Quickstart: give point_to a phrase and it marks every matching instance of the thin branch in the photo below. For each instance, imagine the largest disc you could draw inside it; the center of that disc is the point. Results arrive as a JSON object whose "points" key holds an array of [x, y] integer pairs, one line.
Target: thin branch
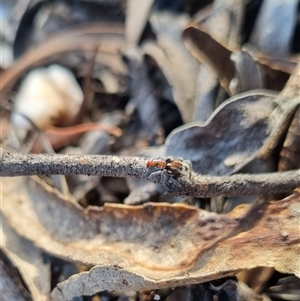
{"points": [[14, 164]]}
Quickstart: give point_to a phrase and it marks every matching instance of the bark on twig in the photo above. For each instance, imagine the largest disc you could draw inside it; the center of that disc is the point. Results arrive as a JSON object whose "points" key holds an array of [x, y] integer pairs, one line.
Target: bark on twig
{"points": [[13, 164]]}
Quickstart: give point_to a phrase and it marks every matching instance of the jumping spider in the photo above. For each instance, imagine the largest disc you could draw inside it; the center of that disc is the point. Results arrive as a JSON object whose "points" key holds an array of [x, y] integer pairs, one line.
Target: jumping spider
{"points": [[168, 171]]}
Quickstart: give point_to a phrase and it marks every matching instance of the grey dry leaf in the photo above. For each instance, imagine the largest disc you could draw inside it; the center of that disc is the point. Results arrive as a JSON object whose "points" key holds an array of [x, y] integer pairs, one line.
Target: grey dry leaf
{"points": [[224, 24], [142, 96], [207, 89], [247, 76], [11, 288], [136, 19], [171, 55], [233, 135], [152, 246], [275, 26]]}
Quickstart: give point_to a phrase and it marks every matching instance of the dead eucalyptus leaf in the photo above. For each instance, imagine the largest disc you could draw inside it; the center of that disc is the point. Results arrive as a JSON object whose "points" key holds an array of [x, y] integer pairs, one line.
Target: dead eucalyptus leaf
{"points": [[223, 22], [175, 61], [232, 137], [217, 56], [248, 76], [29, 261], [210, 52], [156, 245], [208, 95], [142, 96], [100, 278], [136, 19]]}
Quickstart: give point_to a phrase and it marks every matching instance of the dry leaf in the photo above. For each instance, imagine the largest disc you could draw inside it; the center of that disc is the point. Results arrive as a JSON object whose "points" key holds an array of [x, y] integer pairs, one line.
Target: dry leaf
{"points": [[211, 53], [224, 23], [11, 286], [274, 27], [248, 76], [136, 19], [233, 135], [287, 288], [171, 55], [156, 245], [28, 260]]}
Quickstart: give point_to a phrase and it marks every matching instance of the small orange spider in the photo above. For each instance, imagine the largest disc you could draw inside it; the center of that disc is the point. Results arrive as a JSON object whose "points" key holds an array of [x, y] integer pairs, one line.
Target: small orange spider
{"points": [[157, 164], [175, 167]]}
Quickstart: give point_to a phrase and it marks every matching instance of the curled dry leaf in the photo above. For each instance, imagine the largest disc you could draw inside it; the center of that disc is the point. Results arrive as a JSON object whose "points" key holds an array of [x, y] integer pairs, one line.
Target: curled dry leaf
{"points": [[152, 246], [232, 136]]}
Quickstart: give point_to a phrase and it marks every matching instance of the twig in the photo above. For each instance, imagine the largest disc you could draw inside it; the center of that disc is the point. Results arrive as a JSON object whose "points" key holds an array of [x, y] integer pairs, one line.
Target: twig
{"points": [[14, 164]]}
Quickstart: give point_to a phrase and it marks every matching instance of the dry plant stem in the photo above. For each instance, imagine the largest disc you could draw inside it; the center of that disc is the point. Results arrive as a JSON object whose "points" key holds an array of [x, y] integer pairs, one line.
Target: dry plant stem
{"points": [[14, 164]]}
